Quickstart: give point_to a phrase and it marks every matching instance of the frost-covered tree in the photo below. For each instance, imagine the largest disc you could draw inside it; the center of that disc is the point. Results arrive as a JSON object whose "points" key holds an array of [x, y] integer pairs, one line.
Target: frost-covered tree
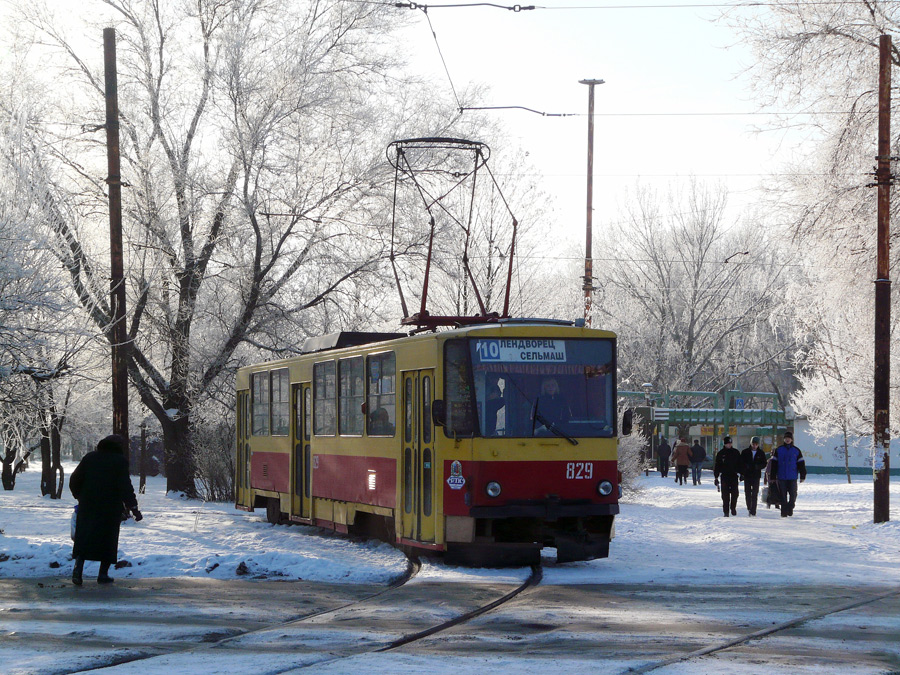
{"points": [[692, 294], [252, 139], [817, 65], [40, 340]]}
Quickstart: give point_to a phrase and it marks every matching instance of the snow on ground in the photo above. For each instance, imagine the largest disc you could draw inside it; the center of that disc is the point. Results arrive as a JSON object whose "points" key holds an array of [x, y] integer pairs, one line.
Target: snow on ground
{"points": [[185, 538], [666, 533]]}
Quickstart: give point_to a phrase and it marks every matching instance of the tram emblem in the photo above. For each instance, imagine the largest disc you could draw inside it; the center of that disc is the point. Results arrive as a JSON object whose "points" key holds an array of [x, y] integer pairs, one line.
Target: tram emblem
{"points": [[456, 481]]}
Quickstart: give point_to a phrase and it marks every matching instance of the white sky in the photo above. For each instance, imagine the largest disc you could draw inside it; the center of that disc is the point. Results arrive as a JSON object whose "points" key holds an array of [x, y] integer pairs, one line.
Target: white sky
{"points": [[659, 61]]}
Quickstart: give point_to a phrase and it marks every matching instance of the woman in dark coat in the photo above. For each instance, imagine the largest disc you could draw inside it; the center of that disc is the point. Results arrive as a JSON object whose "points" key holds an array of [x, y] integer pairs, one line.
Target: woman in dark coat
{"points": [[102, 486]]}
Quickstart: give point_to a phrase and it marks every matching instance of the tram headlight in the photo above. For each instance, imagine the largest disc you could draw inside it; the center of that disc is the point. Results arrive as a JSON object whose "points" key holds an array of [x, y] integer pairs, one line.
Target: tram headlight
{"points": [[605, 488], [492, 489]]}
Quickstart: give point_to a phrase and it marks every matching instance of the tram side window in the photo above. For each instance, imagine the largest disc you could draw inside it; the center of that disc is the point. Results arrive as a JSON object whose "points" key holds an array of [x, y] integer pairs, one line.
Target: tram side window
{"points": [[281, 392], [352, 396], [260, 404], [324, 399], [458, 389], [382, 401]]}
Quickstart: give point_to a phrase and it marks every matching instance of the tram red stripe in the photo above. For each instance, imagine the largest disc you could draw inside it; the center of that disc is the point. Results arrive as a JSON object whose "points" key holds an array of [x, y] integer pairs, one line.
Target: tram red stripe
{"points": [[525, 481], [364, 480]]}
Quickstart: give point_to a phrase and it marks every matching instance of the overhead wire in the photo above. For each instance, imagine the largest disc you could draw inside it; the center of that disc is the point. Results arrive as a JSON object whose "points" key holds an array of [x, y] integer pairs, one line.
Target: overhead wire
{"points": [[519, 8], [675, 5]]}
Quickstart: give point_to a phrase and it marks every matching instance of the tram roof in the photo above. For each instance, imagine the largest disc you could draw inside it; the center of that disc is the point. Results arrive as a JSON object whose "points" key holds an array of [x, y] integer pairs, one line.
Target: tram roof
{"points": [[343, 339], [349, 339]]}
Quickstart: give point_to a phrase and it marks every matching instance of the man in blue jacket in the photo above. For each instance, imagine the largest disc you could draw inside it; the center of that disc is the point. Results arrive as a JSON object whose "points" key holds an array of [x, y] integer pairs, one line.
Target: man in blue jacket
{"points": [[787, 465]]}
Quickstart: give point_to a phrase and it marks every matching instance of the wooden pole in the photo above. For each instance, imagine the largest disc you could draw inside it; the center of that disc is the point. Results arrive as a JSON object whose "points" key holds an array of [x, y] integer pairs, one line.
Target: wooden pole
{"points": [[117, 334], [882, 438]]}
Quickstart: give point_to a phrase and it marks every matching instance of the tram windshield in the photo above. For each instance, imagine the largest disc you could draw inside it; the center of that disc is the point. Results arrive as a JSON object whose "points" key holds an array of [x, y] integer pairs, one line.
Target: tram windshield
{"points": [[523, 388]]}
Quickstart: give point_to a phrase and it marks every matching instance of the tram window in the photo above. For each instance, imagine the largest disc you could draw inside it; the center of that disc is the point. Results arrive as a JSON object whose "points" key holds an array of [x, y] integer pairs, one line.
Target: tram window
{"points": [[426, 482], [407, 479], [306, 470], [545, 386], [426, 409], [324, 399], [352, 396], [381, 405], [247, 417], [458, 389], [307, 412], [260, 403], [494, 407], [280, 398], [408, 404]]}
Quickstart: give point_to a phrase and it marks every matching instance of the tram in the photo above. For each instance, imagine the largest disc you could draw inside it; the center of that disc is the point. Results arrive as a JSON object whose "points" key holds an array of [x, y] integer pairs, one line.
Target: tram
{"points": [[485, 442]]}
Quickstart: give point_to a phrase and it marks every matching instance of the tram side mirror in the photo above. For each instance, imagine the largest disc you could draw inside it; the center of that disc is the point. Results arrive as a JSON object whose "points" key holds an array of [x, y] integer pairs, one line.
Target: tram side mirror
{"points": [[439, 412], [627, 421]]}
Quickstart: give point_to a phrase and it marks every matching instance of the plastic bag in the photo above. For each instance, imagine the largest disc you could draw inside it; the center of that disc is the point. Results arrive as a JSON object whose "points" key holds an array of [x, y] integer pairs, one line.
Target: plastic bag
{"points": [[74, 518]]}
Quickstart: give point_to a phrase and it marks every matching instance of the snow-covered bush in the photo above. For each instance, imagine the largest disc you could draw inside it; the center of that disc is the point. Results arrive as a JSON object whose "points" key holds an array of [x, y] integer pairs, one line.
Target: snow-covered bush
{"points": [[630, 460], [214, 460]]}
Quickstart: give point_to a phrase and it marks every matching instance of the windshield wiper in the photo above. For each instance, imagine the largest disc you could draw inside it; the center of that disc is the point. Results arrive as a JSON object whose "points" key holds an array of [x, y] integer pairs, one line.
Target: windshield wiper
{"points": [[537, 417]]}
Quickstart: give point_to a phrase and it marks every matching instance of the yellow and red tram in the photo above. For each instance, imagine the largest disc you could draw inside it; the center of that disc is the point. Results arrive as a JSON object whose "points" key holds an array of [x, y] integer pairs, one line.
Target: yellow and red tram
{"points": [[486, 442]]}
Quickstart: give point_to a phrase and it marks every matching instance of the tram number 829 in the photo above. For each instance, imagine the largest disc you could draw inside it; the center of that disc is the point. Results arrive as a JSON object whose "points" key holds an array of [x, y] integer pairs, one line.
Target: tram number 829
{"points": [[579, 470]]}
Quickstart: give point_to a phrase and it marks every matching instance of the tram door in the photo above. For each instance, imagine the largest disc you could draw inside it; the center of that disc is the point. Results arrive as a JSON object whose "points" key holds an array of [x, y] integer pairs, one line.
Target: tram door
{"points": [[242, 462], [301, 404], [418, 456]]}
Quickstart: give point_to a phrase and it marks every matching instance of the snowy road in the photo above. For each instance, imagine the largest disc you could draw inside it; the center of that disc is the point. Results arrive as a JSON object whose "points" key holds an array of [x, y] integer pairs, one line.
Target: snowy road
{"points": [[156, 626]]}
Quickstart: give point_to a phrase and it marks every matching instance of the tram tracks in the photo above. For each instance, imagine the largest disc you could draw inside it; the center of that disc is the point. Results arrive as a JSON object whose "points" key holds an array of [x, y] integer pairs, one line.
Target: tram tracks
{"points": [[300, 635], [763, 633]]}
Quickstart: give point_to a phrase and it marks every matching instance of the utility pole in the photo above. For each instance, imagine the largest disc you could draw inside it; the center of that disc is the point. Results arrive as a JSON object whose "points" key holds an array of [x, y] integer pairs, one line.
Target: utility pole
{"points": [[883, 178], [117, 334], [588, 256]]}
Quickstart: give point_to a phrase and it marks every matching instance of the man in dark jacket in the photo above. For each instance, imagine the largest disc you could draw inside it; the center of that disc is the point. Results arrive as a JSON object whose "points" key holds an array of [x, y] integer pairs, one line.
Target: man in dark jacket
{"points": [[753, 460], [663, 452], [787, 465], [728, 468], [102, 486], [698, 456]]}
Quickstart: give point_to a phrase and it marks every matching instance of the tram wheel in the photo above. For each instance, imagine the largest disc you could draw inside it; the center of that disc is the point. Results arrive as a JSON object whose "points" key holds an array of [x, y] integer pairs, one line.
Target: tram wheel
{"points": [[273, 511]]}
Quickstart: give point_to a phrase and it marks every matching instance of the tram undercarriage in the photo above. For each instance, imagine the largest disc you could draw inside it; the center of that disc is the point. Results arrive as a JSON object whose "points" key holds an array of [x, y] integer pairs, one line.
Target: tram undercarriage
{"points": [[500, 542]]}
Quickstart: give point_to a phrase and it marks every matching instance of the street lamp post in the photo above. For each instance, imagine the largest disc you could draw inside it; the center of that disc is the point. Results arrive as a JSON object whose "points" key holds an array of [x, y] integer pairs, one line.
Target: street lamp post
{"points": [[647, 387], [588, 256]]}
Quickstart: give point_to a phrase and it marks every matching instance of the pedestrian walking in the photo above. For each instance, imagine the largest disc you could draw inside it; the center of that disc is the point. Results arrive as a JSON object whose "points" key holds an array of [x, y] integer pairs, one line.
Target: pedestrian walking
{"points": [[728, 469], [103, 488], [681, 458], [787, 465], [772, 496], [663, 452], [753, 460], [698, 456]]}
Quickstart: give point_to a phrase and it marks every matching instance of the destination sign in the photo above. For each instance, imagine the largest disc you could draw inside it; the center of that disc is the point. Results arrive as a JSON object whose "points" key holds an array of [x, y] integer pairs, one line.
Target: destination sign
{"points": [[521, 351]]}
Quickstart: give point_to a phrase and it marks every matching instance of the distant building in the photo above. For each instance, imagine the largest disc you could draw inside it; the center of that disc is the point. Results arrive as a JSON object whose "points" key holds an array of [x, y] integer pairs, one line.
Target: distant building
{"points": [[826, 455]]}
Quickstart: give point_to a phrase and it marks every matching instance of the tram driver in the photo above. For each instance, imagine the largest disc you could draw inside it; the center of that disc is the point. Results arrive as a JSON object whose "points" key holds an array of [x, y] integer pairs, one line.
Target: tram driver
{"points": [[552, 405]]}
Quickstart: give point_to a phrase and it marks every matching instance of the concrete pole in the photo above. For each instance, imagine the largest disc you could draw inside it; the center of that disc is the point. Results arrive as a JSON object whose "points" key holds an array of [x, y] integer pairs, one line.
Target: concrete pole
{"points": [[588, 285]]}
